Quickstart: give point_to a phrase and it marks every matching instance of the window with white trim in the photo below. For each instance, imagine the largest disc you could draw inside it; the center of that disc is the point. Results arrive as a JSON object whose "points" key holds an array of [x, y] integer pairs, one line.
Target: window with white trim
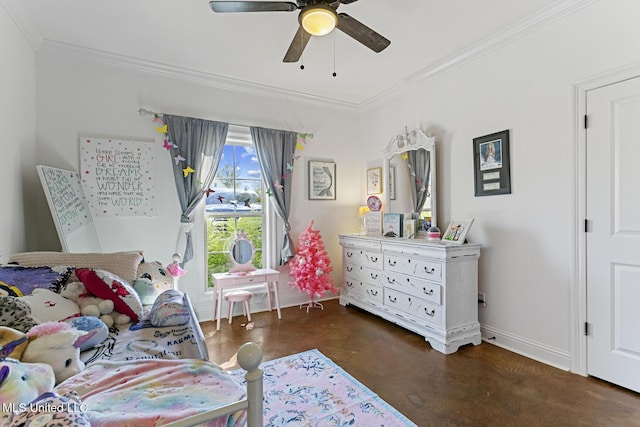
{"points": [[235, 202]]}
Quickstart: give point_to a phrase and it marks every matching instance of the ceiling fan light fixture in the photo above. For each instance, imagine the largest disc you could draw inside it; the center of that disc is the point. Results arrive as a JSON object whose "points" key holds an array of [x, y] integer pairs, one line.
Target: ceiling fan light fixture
{"points": [[318, 20]]}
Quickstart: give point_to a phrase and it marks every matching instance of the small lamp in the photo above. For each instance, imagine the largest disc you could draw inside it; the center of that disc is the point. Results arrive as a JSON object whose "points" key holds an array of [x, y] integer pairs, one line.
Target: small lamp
{"points": [[318, 20]]}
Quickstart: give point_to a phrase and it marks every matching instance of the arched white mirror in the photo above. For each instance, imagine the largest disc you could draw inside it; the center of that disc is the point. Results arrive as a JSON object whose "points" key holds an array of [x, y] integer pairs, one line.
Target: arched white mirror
{"points": [[410, 167], [241, 253]]}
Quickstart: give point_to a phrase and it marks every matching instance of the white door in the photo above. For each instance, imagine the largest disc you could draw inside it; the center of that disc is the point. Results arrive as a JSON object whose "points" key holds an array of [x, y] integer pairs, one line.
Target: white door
{"points": [[613, 237]]}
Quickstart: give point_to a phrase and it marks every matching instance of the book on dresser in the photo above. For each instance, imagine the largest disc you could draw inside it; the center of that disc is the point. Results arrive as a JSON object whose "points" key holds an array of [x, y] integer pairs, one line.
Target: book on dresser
{"points": [[427, 287]]}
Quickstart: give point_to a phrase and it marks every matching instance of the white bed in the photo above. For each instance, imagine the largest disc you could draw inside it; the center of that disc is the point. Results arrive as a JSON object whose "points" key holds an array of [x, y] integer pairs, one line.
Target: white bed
{"points": [[143, 375]]}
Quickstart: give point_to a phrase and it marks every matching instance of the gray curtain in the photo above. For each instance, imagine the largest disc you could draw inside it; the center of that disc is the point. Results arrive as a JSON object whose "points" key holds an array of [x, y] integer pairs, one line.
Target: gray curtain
{"points": [[419, 168], [200, 142], [275, 150]]}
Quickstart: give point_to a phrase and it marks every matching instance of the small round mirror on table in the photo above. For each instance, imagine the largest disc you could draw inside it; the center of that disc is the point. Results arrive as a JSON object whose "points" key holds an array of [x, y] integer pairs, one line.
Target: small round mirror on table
{"points": [[241, 253]]}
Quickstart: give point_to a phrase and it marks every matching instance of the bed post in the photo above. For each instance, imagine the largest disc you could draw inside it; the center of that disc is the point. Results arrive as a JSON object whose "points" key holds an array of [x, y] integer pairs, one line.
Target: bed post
{"points": [[249, 358]]}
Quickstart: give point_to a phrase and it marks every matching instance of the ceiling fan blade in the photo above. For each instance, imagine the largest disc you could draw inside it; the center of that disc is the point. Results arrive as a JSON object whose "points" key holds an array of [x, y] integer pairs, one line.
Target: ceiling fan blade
{"points": [[348, 1], [297, 45], [252, 6], [360, 32]]}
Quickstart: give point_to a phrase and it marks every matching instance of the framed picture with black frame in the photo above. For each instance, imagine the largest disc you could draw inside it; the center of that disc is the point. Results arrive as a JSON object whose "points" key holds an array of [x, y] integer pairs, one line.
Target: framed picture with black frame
{"points": [[492, 165], [322, 180]]}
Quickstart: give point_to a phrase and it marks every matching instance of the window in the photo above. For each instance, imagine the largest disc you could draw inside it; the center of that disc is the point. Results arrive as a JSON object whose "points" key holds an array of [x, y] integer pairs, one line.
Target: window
{"points": [[235, 202]]}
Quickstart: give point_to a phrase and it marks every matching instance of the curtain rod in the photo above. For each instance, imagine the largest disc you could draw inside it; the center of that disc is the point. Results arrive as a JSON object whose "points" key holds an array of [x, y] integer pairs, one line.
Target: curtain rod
{"points": [[144, 111]]}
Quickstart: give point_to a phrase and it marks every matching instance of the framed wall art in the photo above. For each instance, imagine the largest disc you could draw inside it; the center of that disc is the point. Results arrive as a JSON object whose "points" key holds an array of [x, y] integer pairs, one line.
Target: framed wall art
{"points": [[491, 163], [322, 180], [374, 181]]}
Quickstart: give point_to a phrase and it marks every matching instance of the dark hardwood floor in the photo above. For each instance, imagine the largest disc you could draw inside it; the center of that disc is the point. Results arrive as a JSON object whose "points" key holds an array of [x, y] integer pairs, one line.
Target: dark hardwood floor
{"points": [[481, 385]]}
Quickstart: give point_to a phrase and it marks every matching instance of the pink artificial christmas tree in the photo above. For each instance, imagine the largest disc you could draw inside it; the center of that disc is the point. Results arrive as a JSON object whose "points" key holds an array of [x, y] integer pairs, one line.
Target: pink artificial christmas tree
{"points": [[310, 268]]}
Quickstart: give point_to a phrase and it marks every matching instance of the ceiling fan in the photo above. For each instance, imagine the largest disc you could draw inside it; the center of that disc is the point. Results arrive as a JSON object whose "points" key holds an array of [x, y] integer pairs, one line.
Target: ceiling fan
{"points": [[316, 18]]}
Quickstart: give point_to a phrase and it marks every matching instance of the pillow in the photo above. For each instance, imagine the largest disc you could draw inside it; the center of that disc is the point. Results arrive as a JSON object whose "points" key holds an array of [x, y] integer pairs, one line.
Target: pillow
{"points": [[16, 313], [96, 330], [122, 264], [104, 284], [169, 309], [19, 280], [48, 306]]}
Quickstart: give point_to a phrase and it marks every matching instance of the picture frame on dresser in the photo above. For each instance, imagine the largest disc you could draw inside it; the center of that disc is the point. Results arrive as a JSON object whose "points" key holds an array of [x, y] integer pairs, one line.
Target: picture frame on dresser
{"points": [[457, 231]]}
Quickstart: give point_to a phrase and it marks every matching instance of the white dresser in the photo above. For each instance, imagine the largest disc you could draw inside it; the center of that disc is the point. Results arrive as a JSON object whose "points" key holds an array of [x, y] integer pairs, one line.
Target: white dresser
{"points": [[430, 288]]}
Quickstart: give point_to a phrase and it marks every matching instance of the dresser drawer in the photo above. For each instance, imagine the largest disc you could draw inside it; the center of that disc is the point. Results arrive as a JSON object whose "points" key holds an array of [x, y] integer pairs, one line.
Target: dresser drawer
{"points": [[424, 269], [356, 288], [361, 257], [411, 285], [413, 306], [365, 274]]}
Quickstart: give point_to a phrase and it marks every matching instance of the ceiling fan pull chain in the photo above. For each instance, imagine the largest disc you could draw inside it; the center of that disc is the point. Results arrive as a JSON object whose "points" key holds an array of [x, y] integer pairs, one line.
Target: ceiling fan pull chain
{"points": [[302, 50], [334, 55]]}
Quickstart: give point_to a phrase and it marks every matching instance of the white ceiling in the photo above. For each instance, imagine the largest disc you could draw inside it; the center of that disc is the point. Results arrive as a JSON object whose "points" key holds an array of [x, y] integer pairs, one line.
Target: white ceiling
{"points": [[246, 49]]}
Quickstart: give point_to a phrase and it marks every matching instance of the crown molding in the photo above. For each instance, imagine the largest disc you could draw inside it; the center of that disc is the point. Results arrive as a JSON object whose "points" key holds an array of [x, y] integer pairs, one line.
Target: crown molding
{"points": [[495, 41], [190, 75], [17, 12]]}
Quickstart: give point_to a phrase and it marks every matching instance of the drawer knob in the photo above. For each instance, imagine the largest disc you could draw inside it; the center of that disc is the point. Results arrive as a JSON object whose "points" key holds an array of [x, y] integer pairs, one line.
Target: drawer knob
{"points": [[349, 268], [392, 299], [392, 263], [374, 259], [374, 276], [391, 280], [374, 293], [427, 292], [429, 271], [430, 313]]}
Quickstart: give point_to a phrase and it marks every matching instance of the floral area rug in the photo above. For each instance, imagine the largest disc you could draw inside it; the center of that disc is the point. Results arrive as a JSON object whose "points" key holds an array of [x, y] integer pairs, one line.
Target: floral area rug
{"points": [[308, 389]]}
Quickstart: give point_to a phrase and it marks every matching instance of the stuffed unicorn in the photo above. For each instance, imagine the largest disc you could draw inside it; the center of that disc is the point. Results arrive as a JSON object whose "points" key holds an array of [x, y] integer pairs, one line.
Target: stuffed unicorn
{"points": [[21, 383], [58, 345]]}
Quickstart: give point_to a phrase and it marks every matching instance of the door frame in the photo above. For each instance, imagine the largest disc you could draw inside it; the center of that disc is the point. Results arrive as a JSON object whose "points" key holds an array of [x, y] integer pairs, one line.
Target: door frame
{"points": [[579, 289]]}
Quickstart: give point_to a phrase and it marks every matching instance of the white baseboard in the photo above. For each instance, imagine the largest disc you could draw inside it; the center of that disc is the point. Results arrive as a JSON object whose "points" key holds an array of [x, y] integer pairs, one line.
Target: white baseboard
{"points": [[534, 350]]}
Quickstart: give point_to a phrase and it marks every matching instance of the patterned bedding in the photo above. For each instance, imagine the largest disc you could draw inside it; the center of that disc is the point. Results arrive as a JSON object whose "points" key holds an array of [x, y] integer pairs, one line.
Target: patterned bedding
{"points": [[143, 375], [153, 392], [145, 342]]}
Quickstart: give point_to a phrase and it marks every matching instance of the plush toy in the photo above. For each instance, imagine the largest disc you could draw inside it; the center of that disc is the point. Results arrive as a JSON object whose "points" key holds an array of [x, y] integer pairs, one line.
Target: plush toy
{"points": [[91, 305], [49, 306], [12, 343], [56, 344], [154, 274], [146, 290], [21, 383], [15, 313], [92, 325]]}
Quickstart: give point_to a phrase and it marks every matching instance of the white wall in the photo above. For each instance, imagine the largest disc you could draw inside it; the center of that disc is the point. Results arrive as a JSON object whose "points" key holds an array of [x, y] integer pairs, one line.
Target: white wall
{"points": [[528, 257], [79, 96], [18, 142]]}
